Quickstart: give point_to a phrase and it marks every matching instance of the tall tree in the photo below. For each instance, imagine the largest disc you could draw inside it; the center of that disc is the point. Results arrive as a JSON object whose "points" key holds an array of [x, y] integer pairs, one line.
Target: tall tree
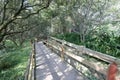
{"points": [[87, 14], [12, 10]]}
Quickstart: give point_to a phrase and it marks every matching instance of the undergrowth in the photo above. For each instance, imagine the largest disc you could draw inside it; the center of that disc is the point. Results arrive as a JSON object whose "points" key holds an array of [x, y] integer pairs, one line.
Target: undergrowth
{"points": [[105, 44], [13, 61]]}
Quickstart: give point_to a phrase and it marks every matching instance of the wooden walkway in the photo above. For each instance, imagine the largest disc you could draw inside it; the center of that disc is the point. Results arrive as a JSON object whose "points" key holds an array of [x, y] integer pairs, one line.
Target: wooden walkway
{"points": [[49, 66]]}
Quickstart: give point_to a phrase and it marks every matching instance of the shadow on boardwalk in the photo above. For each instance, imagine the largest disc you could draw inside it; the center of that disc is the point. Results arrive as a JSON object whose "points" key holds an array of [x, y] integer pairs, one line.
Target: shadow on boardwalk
{"points": [[50, 67]]}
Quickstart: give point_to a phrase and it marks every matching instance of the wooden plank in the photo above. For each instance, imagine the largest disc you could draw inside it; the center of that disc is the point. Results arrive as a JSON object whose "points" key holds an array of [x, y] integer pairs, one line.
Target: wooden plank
{"points": [[51, 67], [106, 58], [28, 66], [101, 56], [66, 43], [95, 66], [98, 67]]}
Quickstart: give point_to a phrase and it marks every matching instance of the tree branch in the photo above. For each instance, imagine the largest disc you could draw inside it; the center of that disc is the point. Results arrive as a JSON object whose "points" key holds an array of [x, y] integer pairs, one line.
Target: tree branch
{"points": [[4, 12], [17, 32], [36, 11], [20, 9], [4, 26]]}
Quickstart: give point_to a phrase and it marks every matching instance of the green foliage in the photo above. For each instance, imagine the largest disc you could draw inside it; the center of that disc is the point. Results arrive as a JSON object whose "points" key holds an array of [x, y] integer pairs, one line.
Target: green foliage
{"points": [[71, 37], [13, 61], [101, 42]]}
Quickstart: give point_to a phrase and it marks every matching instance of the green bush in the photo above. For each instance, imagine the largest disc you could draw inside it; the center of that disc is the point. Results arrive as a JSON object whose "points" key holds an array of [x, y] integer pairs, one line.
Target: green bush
{"points": [[8, 61], [71, 37], [13, 61]]}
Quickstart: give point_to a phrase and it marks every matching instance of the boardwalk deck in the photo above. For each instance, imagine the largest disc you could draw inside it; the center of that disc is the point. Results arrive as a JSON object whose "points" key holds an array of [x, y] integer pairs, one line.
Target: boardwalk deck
{"points": [[49, 66]]}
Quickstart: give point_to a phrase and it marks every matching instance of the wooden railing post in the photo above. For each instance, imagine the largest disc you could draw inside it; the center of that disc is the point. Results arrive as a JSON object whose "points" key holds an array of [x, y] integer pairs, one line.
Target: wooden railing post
{"points": [[112, 71], [62, 51]]}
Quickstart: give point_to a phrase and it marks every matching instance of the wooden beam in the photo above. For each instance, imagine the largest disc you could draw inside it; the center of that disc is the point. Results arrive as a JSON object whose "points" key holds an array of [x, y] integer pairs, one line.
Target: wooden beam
{"points": [[101, 56]]}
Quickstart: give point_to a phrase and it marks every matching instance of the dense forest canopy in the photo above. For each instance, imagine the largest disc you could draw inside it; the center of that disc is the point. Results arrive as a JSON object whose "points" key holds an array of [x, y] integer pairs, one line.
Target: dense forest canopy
{"points": [[92, 23], [13, 13], [61, 16]]}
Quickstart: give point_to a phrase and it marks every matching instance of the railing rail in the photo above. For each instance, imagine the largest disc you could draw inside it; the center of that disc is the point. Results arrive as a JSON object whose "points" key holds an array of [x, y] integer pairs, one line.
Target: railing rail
{"points": [[30, 71], [75, 54], [90, 52]]}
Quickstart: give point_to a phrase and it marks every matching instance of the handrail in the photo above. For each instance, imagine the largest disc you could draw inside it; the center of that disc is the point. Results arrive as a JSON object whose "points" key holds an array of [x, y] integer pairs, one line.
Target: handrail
{"points": [[90, 52], [27, 68], [59, 44], [30, 71]]}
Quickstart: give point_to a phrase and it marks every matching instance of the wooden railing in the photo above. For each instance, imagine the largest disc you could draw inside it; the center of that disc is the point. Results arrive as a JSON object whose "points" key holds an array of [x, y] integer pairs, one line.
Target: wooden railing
{"points": [[88, 62], [30, 71]]}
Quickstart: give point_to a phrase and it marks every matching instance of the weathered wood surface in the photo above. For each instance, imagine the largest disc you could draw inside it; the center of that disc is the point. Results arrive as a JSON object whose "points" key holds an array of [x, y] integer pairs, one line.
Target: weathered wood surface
{"points": [[49, 66], [90, 52], [46, 65], [71, 49], [75, 60], [29, 74]]}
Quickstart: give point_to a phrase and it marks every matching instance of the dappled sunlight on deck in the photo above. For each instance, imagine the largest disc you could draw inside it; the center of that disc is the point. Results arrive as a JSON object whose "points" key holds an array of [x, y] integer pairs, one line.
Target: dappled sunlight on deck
{"points": [[49, 66]]}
